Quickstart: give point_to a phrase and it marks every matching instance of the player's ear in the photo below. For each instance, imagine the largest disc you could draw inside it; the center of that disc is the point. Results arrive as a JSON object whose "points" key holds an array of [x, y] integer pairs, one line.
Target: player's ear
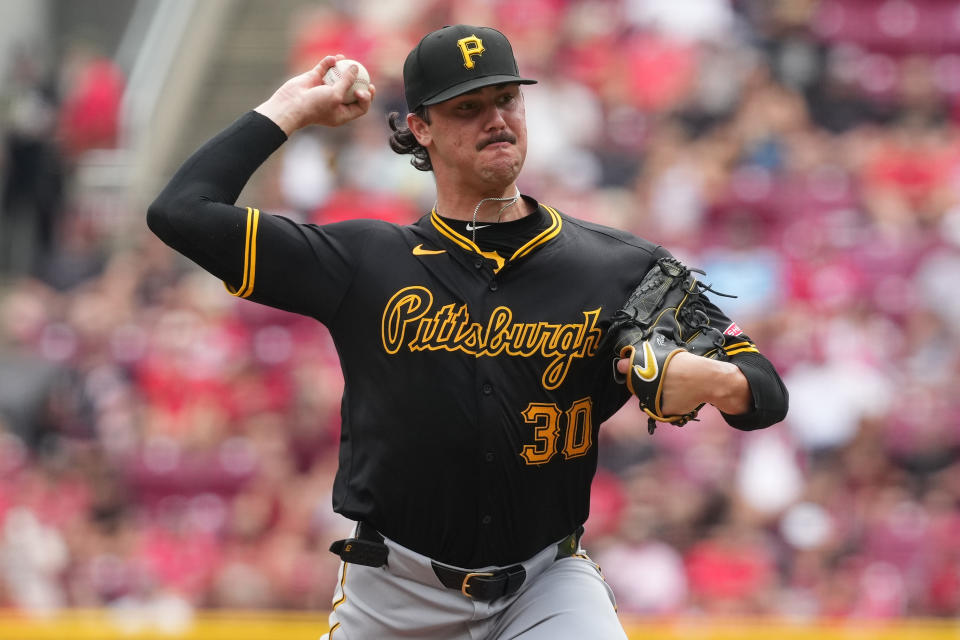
{"points": [[420, 129]]}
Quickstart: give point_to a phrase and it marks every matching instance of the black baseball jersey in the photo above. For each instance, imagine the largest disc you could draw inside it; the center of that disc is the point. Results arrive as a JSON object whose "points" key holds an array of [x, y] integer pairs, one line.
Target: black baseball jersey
{"points": [[476, 374]]}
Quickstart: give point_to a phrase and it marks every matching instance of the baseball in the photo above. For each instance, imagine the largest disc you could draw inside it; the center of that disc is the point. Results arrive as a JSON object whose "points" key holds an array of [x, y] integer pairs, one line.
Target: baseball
{"points": [[340, 69]]}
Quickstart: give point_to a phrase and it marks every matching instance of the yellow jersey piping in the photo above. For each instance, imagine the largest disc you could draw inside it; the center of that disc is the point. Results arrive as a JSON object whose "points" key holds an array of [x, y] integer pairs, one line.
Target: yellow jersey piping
{"points": [[467, 244], [750, 349], [249, 256], [544, 236], [462, 241]]}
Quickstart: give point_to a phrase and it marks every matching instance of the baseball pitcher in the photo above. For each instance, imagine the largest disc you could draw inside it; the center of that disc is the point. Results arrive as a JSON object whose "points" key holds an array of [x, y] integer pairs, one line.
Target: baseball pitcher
{"points": [[482, 347]]}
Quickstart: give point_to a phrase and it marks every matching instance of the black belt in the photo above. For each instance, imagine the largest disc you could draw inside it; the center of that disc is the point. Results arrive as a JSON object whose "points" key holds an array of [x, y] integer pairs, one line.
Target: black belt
{"points": [[367, 548]]}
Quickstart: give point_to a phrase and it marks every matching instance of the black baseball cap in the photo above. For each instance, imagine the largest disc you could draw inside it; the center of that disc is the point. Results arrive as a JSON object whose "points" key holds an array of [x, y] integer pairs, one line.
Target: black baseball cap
{"points": [[457, 59]]}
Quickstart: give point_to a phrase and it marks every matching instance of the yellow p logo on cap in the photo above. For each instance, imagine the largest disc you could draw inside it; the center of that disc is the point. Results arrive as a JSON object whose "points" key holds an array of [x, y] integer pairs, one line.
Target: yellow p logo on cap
{"points": [[469, 47]]}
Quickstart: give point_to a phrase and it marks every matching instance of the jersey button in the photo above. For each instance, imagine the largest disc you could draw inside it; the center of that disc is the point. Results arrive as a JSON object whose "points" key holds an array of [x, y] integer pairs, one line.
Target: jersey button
{"points": [[486, 520], [487, 389], [493, 285], [478, 264]]}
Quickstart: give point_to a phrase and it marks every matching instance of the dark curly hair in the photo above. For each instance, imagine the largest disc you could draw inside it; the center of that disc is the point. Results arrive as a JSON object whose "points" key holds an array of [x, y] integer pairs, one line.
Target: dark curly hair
{"points": [[403, 141]]}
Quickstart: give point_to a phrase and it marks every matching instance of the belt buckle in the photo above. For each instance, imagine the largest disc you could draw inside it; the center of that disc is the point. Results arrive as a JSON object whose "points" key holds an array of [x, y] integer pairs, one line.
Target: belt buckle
{"points": [[466, 581]]}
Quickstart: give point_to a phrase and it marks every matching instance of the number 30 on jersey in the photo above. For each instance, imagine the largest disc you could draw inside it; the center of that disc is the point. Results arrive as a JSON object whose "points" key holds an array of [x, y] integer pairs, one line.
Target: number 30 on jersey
{"points": [[570, 431]]}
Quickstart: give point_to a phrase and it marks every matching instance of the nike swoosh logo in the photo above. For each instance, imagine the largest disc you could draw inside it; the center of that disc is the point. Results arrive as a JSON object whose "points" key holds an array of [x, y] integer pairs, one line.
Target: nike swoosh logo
{"points": [[420, 251], [648, 372], [470, 227]]}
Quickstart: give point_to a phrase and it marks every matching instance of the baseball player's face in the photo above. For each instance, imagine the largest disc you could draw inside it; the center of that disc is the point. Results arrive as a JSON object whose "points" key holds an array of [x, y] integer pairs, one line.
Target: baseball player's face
{"points": [[478, 136]]}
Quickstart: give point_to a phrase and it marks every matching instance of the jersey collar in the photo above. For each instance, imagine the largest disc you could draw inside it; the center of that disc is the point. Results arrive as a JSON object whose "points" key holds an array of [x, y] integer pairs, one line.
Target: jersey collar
{"points": [[465, 243]]}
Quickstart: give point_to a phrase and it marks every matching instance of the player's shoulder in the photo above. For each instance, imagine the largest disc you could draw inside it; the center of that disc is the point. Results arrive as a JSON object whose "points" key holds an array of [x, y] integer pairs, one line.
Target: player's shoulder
{"points": [[607, 237], [377, 237], [370, 229]]}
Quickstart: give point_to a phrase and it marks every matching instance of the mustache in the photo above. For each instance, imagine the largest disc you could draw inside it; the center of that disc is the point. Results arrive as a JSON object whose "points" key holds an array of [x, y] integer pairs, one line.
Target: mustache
{"points": [[497, 137]]}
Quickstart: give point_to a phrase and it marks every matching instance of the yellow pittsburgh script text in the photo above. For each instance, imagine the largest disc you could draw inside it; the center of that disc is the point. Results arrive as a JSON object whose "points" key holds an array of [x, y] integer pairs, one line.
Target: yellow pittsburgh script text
{"points": [[410, 320]]}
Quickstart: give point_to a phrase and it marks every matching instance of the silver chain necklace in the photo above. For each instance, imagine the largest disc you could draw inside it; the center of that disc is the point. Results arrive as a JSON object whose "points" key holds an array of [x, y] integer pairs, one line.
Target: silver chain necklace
{"points": [[473, 225]]}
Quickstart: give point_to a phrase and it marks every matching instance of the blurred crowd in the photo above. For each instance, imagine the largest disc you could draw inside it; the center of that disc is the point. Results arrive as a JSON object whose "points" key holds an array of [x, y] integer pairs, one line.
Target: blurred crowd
{"points": [[163, 444]]}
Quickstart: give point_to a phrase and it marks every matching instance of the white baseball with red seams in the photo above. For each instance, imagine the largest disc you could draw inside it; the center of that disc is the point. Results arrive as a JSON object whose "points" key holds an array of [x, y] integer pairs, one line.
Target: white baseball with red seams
{"points": [[339, 70]]}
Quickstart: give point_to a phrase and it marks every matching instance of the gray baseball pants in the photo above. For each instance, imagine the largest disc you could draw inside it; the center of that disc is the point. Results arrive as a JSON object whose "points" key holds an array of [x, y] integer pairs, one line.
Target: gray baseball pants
{"points": [[559, 600]]}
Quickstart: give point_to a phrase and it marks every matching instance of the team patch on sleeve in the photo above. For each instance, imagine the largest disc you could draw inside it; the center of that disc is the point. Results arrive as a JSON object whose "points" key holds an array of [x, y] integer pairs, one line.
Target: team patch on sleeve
{"points": [[249, 256]]}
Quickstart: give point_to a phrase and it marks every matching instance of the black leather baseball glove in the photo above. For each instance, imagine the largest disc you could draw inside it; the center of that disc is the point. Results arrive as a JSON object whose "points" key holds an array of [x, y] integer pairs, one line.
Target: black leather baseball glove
{"points": [[663, 316]]}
